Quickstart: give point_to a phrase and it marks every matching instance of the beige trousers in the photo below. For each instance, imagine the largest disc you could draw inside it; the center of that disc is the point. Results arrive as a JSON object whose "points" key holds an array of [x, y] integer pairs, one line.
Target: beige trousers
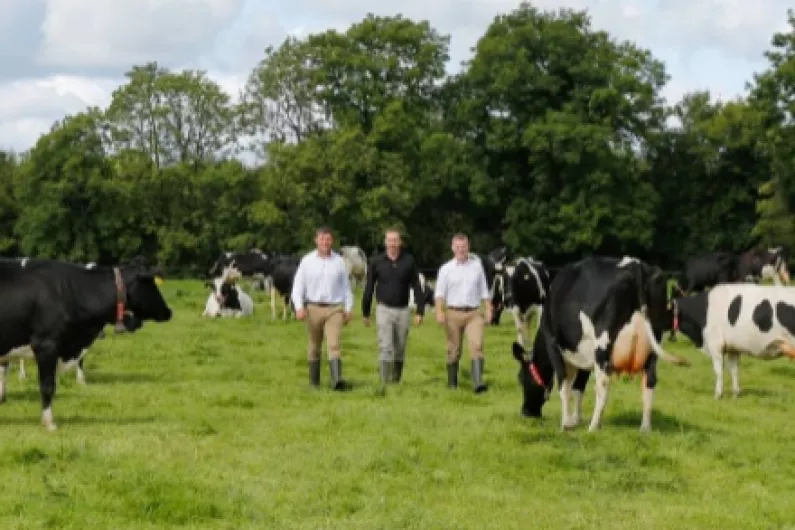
{"points": [[324, 321], [458, 323]]}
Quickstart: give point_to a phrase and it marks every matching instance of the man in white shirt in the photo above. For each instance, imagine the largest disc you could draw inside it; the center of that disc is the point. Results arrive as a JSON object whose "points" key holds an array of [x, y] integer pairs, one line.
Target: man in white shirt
{"points": [[461, 286], [322, 296]]}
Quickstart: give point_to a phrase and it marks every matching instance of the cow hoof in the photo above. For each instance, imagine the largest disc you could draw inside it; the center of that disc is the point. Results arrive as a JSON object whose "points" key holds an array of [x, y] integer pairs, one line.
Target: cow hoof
{"points": [[51, 427], [645, 428], [736, 394], [81, 381], [2, 399], [718, 395], [594, 427]]}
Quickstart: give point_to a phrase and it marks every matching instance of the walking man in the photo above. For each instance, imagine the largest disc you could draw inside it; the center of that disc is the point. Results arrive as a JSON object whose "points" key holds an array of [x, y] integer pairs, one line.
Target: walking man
{"points": [[461, 286], [391, 275], [322, 296]]}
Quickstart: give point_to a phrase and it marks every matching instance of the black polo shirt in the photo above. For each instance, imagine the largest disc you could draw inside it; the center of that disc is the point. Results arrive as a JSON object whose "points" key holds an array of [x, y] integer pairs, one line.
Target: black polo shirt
{"points": [[391, 281]]}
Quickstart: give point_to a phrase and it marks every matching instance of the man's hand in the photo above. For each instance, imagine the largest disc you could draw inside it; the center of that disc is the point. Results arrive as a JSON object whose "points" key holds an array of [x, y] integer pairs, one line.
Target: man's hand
{"points": [[440, 317], [347, 316], [300, 314], [417, 320], [366, 321], [489, 314]]}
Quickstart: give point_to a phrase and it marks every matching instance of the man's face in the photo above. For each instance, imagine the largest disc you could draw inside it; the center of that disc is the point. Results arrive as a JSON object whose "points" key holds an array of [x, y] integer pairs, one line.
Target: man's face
{"points": [[323, 242], [392, 242], [461, 249]]}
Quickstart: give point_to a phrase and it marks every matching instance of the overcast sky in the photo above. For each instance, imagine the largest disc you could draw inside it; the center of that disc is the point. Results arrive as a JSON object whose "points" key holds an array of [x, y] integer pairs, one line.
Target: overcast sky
{"points": [[60, 56]]}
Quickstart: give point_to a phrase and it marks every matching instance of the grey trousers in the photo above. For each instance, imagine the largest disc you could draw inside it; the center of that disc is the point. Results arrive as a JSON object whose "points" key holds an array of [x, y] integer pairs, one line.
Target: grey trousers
{"points": [[393, 332]]}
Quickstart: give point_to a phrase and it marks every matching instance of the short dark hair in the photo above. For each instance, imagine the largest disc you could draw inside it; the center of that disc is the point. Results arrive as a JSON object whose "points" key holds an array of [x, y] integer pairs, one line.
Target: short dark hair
{"points": [[460, 235], [323, 230]]}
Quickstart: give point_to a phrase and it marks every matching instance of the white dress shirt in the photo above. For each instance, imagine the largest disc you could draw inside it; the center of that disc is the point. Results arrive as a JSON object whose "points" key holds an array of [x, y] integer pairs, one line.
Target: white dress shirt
{"points": [[323, 280], [462, 284]]}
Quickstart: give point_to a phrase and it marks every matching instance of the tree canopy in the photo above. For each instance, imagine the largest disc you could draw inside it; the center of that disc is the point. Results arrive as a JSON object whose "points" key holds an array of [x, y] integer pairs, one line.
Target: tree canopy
{"points": [[553, 140]]}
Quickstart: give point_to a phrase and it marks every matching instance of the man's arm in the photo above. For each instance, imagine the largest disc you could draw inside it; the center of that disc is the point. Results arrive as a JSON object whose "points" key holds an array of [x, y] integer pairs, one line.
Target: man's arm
{"points": [[419, 296], [297, 294], [441, 290], [369, 287], [346, 284]]}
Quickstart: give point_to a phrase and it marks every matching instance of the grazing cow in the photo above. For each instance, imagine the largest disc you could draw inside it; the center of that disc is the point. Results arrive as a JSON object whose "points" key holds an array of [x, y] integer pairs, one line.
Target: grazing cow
{"points": [[283, 276], [735, 319], [59, 308], [602, 314], [355, 263], [427, 294], [526, 285], [768, 264], [227, 298], [254, 264]]}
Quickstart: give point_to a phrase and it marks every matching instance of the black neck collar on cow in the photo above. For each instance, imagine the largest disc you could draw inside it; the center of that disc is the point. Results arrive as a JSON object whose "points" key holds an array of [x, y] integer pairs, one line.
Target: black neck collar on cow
{"points": [[121, 300]]}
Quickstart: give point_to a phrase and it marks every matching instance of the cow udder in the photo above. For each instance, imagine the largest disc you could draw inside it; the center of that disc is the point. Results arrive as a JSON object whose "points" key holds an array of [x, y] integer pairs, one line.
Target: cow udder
{"points": [[631, 347]]}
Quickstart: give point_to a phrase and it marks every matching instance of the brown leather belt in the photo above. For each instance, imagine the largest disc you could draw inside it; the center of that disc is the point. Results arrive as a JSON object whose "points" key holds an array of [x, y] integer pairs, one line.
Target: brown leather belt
{"points": [[321, 304], [462, 309]]}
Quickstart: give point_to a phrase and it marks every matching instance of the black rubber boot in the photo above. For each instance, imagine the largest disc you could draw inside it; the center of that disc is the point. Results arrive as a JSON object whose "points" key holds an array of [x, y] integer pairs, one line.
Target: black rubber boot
{"points": [[397, 371], [335, 368], [386, 372], [314, 373], [452, 375], [478, 385]]}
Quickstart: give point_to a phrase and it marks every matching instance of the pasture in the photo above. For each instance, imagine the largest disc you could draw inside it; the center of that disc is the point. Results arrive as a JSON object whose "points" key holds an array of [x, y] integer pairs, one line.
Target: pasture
{"points": [[202, 423]]}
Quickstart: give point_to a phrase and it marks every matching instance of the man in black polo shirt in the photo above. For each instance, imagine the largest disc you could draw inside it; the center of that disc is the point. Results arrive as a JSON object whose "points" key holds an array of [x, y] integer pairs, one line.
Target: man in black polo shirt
{"points": [[394, 272]]}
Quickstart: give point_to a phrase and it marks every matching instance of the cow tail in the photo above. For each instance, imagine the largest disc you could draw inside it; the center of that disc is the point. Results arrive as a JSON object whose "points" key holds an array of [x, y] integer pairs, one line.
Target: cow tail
{"points": [[664, 355]]}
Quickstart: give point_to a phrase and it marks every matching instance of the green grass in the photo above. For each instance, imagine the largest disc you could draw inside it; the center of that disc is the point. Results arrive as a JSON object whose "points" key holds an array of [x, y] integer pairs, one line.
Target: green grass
{"points": [[210, 424]]}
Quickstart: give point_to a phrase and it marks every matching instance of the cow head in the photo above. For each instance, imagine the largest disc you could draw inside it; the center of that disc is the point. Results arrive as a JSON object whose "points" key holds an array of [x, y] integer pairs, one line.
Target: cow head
{"points": [[776, 265], [144, 299], [535, 376], [223, 260]]}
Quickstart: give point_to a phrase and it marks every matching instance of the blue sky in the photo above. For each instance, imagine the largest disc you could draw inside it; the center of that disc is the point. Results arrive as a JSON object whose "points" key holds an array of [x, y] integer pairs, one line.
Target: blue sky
{"points": [[60, 56]]}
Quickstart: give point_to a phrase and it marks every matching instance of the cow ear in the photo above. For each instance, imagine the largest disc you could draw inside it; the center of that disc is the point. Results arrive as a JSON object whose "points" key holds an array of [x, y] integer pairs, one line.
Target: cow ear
{"points": [[518, 352]]}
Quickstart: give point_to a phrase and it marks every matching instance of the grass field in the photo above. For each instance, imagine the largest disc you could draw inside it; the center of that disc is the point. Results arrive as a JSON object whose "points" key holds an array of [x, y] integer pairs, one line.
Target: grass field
{"points": [[211, 424]]}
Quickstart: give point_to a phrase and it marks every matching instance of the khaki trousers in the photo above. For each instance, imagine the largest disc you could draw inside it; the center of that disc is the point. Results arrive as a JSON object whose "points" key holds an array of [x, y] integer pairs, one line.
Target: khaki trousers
{"points": [[324, 321], [393, 332], [458, 323]]}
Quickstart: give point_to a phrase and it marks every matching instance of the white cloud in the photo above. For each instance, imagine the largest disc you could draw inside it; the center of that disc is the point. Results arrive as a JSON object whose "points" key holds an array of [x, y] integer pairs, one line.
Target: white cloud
{"points": [[119, 33], [60, 56]]}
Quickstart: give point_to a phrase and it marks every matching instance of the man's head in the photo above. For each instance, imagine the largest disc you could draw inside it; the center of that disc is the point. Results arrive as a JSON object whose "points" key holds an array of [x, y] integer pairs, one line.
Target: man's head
{"points": [[392, 241], [324, 240], [460, 246]]}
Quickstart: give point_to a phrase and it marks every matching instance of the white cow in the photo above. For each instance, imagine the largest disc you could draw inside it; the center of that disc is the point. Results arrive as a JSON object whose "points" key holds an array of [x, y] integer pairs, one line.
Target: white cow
{"points": [[355, 263], [227, 298], [739, 318]]}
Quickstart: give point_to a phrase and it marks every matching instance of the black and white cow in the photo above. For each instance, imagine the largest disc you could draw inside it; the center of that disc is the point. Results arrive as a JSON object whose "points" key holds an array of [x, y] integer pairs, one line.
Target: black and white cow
{"points": [[226, 297], [427, 294], [602, 314], [58, 309], [714, 268], [525, 286], [283, 276], [254, 264], [735, 319]]}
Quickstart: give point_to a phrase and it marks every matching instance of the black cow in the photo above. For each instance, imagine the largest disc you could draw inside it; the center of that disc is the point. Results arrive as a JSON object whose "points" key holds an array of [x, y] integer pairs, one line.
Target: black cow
{"points": [[283, 276], [58, 309], [254, 264], [603, 314]]}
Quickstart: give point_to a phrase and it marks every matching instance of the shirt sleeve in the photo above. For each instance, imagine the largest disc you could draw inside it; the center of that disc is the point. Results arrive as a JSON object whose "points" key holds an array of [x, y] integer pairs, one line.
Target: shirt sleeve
{"points": [[346, 284], [367, 297], [297, 295], [419, 295], [483, 286], [441, 284]]}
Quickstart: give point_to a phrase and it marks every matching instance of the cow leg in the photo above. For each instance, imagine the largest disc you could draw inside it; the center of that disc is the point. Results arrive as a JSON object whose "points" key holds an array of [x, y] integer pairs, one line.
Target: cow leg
{"points": [[734, 369], [602, 385], [81, 376], [649, 384], [577, 391], [47, 360], [566, 420], [3, 372], [273, 304], [520, 324], [717, 365], [22, 373]]}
